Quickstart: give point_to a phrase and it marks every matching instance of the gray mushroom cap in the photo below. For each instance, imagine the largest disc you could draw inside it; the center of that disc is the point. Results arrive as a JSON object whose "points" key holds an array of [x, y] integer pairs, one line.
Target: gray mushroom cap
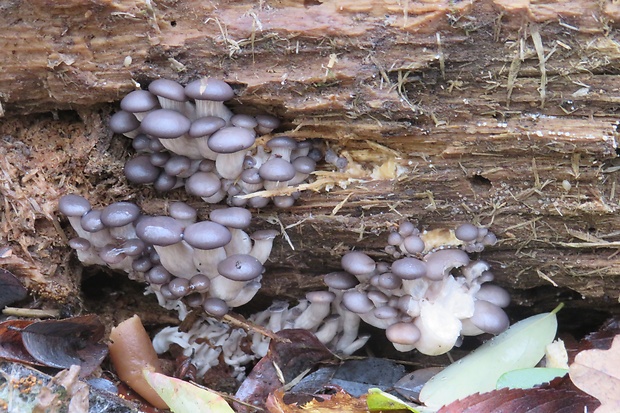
{"points": [[304, 164], [251, 176], [231, 139], [340, 280], [409, 268], [123, 122], [232, 217], [199, 283], [268, 121], [206, 126], [403, 333], [119, 214], [413, 244], [320, 296], [158, 275], [489, 317], [159, 230], [209, 88], [284, 142], [73, 205], [493, 294], [277, 169], [139, 101], [168, 89], [165, 124], [357, 302], [440, 263], [215, 306], [182, 211], [203, 184], [466, 232], [264, 234], [244, 121], [91, 221], [140, 170], [357, 263], [206, 235], [240, 267]]}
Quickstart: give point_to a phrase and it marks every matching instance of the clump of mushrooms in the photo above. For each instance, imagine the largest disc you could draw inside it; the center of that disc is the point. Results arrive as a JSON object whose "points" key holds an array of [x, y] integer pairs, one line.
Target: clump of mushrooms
{"points": [[187, 137]]}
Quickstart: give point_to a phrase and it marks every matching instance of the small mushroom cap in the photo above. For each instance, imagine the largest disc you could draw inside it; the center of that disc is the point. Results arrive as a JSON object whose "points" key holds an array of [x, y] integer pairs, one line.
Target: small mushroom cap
{"points": [[357, 302], [179, 287], [277, 169], [141, 142], [140, 170], [244, 121], [159, 230], [357, 263], [199, 283], [284, 201], [489, 317], [123, 122], [80, 244], [268, 121], [466, 232], [340, 280], [440, 263], [182, 211], [177, 165], [159, 158], [215, 306], [165, 124], [394, 238], [304, 164], [413, 244], [403, 333], [232, 217], [385, 312], [389, 281], [284, 142], [119, 214], [73, 205], [139, 101], [168, 89], [91, 221], [209, 88], [320, 296], [263, 234], [240, 267], [407, 228], [158, 275], [206, 235], [409, 268], [493, 294], [165, 182], [203, 184], [206, 126], [251, 176], [142, 264], [231, 139]]}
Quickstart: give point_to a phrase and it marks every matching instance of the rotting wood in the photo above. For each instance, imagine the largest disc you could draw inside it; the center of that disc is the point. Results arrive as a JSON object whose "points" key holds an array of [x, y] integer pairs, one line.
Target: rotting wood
{"points": [[451, 90]]}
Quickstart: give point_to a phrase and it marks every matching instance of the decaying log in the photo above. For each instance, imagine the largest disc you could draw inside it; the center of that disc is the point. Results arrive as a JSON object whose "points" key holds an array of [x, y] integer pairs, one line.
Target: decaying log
{"points": [[493, 111]]}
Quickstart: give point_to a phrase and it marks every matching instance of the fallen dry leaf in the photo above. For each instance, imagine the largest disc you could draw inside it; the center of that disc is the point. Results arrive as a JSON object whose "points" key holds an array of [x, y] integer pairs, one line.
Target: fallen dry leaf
{"points": [[340, 401], [285, 361], [11, 289], [559, 396], [597, 372]]}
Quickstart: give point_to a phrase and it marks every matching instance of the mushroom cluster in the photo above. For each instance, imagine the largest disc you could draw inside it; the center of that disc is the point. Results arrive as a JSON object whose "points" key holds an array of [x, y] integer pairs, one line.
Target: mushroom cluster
{"points": [[430, 296], [213, 263], [187, 137]]}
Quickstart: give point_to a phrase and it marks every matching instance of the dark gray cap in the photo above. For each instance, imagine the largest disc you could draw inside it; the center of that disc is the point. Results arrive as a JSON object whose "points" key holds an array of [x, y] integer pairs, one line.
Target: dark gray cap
{"points": [[159, 230], [140, 170], [206, 126], [165, 124], [340, 280], [277, 169], [357, 263], [357, 302], [91, 221], [206, 235], [203, 184], [231, 139], [409, 268], [209, 88], [215, 306], [168, 89], [139, 101], [123, 122], [73, 205], [240, 267], [232, 217], [119, 214]]}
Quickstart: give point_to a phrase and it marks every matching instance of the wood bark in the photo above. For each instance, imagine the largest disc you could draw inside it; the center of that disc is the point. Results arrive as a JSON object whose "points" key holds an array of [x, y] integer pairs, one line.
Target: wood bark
{"points": [[493, 111]]}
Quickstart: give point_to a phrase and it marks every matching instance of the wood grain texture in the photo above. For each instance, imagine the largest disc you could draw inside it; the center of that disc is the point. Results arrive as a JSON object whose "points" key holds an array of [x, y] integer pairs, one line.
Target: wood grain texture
{"points": [[476, 111]]}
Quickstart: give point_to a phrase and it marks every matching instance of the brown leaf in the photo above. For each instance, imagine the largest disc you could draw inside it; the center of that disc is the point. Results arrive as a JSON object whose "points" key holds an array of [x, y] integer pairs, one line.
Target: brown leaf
{"points": [[11, 345], [559, 396], [340, 401], [597, 372], [63, 343], [11, 289], [301, 352]]}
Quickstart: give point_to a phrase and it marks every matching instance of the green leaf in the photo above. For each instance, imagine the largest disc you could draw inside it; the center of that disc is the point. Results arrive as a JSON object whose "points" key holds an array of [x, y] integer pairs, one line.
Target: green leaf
{"points": [[379, 400], [184, 397], [521, 346], [528, 378]]}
